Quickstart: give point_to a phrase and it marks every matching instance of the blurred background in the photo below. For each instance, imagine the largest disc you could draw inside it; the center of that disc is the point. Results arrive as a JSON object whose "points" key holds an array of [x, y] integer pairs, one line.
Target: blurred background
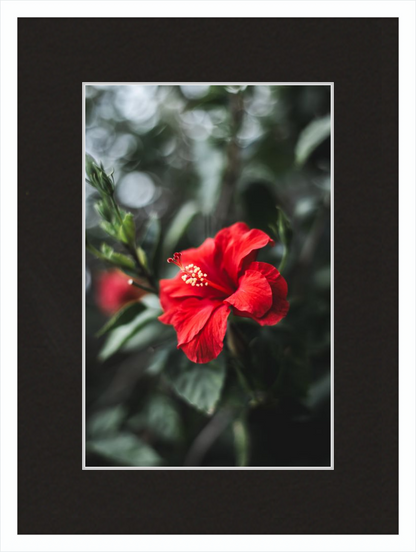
{"points": [[188, 161]]}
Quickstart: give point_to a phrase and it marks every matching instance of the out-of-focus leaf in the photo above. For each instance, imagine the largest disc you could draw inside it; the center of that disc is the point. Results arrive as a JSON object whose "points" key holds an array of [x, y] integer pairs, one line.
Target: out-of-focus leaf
{"points": [[210, 165], [120, 335], [122, 317], [150, 239], [241, 442], [152, 334], [281, 229], [103, 208], [115, 258], [198, 384], [284, 227], [178, 227], [259, 205], [311, 137], [142, 257], [89, 163], [160, 417], [127, 230], [158, 362], [109, 228], [151, 301], [125, 449], [319, 393], [323, 278], [106, 421]]}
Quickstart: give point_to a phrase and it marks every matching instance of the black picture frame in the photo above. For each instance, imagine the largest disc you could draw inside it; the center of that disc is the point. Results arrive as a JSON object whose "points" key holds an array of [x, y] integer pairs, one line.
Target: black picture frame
{"points": [[360, 496]]}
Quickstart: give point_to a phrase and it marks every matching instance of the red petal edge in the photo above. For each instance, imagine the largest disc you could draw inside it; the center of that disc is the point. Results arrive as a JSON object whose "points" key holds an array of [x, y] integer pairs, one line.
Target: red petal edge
{"points": [[208, 343], [254, 294]]}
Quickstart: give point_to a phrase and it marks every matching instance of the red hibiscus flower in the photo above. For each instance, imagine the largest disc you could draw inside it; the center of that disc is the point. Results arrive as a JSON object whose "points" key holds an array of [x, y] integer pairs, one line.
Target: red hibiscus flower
{"points": [[114, 291], [220, 276]]}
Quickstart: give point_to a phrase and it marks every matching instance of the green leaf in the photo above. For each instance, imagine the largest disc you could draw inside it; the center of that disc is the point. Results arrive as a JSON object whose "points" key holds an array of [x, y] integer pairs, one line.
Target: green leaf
{"points": [[122, 261], [106, 421], [142, 257], [97, 177], [94, 251], [160, 417], [90, 162], [125, 449], [178, 227], [120, 335], [122, 317], [311, 137], [127, 230], [104, 210], [210, 163], [198, 384], [158, 362], [109, 228], [150, 239], [151, 335], [118, 259]]}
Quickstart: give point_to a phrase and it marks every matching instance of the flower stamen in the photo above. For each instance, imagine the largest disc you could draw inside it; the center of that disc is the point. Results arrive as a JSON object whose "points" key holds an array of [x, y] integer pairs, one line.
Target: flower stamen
{"points": [[193, 275]]}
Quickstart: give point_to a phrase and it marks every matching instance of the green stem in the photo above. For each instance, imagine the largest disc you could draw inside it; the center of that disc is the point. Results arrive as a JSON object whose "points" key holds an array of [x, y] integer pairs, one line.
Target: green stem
{"points": [[284, 259], [145, 288], [241, 441]]}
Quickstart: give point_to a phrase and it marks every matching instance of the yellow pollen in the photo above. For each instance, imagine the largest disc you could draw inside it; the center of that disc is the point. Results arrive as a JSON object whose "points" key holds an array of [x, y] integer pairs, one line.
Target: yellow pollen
{"points": [[193, 275]]}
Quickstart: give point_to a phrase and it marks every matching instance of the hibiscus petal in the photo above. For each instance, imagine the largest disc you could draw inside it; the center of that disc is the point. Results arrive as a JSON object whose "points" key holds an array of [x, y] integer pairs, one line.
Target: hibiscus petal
{"points": [[278, 285], [253, 295], [236, 244], [208, 343], [190, 317], [175, 288], [272, 275], [278, 310]]}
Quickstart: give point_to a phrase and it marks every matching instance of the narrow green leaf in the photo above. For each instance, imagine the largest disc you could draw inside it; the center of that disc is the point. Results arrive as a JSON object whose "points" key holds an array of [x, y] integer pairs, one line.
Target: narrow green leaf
{"points": [[178, 227], [284, 227], [127, 230], [95, 251], [120, 335], [311, 137], [109, 228], [142, 257], [122, 261], [103, 209], [122, 317], [118, 259], [125, 449], [150, 239]]}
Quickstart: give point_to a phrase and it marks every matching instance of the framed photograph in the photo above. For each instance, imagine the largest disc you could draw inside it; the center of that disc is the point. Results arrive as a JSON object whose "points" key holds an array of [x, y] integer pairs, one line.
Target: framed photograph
{"points": [[203, 202], [207, 277]]}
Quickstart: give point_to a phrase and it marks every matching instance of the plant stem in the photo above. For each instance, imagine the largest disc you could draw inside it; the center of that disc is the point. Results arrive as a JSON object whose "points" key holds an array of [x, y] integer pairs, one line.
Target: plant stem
{"points": [[284, 259], [145, 288]]}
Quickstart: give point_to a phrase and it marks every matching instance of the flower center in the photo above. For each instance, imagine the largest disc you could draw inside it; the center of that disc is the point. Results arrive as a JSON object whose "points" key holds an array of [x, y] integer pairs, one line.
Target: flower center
{"points": [[193, 275]]}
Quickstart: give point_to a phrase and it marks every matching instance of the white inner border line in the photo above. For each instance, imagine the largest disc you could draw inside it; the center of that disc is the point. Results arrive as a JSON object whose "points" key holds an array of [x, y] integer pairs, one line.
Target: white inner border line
{"points": [[203, 468]]}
